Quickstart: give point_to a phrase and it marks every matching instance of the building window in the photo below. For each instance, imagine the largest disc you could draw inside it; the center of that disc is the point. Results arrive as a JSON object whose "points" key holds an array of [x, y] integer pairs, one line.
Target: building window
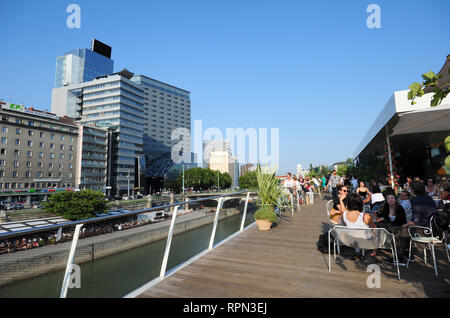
{"points": [[41, 134], [52, 155], [2, 151], [50, 165], [50, 174], [29, 154], [15, 174], [17, 142], [62, 138], [71, 148], [40, 165], [30, 133], [16, 153], [70, 166], [41, 145], [2, 162], [70, 157], [41, 155], [61, 147], [52, 146], [39, 174], [28, 163], [2, 174], [16, 163], [61, 156], [28, 174], [30, 143], [4, 140], [52, 136], [5, 129]]}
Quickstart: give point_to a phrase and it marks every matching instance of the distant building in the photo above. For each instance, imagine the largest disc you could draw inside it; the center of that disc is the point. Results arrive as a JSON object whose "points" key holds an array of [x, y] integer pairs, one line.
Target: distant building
{"points": [[249, 167], [83, 65], [92, 157], [115, 102], [37, 150], [217, 156]]}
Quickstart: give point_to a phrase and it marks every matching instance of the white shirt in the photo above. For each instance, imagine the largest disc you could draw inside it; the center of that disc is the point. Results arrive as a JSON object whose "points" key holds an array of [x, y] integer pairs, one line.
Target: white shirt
{"points": [[289, 183]]}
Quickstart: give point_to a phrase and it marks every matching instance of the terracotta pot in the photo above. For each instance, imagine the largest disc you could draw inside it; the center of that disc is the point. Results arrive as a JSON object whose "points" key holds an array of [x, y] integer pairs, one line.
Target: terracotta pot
{"points": [[263, 225]]}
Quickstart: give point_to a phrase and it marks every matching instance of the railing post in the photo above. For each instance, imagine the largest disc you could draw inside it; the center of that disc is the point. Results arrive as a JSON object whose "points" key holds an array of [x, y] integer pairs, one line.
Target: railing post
{"points": [[65, 284], [245, 212], [213, 233], [169, 241]]}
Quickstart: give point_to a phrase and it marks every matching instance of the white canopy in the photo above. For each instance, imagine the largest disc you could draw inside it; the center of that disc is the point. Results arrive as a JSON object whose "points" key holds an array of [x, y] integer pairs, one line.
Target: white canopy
{"points": [[425, 120]]}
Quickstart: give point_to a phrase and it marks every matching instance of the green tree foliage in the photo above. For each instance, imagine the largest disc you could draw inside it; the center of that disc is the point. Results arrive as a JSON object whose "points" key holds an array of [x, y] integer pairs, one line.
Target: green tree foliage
{"points": [[79, 205], [248, 180], [203, 178], [431, 81]]}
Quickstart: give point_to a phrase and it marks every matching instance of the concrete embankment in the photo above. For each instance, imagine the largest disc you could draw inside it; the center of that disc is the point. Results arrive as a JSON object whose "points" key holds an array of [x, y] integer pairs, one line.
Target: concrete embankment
{"points": [[26, 264]]}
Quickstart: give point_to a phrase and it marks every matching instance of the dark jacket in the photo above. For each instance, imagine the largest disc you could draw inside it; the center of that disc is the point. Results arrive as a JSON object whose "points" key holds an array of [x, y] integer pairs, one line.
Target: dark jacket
{"points": [[423, 208], [400, 215]]}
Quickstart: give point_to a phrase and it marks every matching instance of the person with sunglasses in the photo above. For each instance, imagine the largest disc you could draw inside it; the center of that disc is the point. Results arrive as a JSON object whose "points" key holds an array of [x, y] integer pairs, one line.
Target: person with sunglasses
{"points": [[431, 189], [339, 205]]}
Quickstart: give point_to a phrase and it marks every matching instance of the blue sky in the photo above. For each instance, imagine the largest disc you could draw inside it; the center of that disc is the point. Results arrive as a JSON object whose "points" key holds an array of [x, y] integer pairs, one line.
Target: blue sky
{"points": [[311, 68]]}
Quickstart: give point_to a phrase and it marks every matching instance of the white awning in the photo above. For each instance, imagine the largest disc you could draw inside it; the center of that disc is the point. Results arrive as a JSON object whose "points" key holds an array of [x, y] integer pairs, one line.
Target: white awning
{"points": [[425, 120]]}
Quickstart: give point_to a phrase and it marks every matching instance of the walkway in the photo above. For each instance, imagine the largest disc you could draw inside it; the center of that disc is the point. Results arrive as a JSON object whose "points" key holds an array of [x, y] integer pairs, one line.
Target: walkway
{"points": [[285, 262]]}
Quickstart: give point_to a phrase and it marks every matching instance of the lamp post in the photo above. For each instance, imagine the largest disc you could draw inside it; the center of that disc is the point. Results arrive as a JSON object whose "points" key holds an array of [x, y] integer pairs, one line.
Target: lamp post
{"points": [[128, 181], [182, 166]]}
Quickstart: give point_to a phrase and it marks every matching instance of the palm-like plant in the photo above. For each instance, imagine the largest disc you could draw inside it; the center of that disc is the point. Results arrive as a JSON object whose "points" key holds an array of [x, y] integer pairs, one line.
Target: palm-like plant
{"points": [[270, 193]]}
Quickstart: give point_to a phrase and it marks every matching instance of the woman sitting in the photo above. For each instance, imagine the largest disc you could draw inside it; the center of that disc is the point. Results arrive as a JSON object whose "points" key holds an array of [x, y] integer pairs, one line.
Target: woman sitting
{"points": [[354, 217], [392, 217], [364, 193]]}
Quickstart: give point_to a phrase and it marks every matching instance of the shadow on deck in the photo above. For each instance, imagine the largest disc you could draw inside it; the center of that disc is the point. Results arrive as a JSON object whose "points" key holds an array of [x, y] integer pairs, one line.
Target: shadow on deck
{"points": [[285, 262]]}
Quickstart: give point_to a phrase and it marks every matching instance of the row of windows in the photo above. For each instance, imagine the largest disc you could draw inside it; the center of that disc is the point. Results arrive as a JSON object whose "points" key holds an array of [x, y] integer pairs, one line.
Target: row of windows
{"points": [[39, 174], [30, 154], [33, 185], [30, 144], [31, 133], [16, 163], [34, 124]]}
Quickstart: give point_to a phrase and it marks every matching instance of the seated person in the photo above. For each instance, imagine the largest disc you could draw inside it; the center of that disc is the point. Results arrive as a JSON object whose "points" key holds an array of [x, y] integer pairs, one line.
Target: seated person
{"points": [[392, 217], [354, 217], [376, 199], [444, 203], [391, 211], [423, 206], [339, 204], [405, 202]]}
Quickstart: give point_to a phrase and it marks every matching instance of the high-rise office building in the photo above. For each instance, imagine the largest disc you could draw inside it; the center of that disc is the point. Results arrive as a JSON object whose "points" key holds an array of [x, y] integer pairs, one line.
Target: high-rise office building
{"points": [[115, 102], [83, 65], [166, 108], [217, 156]]}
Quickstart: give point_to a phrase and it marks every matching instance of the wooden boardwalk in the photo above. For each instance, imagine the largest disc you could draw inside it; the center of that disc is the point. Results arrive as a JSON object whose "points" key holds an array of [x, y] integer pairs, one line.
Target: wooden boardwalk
{"points": [[285, 262]]}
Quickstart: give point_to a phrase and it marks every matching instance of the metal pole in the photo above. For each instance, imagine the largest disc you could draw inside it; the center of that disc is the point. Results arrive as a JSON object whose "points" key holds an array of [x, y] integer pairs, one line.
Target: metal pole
{"points": [[65, 284], [218, 185], [245, 212], [128, 185], [169, 241], [390, 157], [184, 199], [213, 233]]}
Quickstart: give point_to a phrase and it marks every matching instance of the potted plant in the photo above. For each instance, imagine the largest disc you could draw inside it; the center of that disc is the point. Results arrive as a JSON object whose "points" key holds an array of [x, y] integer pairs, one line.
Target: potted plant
{"points": [[271, 196]]}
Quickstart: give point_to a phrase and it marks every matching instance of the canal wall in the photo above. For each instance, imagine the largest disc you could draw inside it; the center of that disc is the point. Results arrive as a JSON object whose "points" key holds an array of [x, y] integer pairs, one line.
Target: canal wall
{"points": [[26, 264]]}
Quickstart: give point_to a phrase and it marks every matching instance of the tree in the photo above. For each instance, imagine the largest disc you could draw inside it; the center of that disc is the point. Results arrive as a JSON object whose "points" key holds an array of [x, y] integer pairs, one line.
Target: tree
{"points": [[248, 180], [430, 83], [79, 205]]}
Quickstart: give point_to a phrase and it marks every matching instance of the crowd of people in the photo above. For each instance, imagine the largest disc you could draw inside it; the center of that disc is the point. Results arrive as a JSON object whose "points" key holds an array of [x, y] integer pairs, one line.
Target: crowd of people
{"points": [[59, 236], [414, 204]]}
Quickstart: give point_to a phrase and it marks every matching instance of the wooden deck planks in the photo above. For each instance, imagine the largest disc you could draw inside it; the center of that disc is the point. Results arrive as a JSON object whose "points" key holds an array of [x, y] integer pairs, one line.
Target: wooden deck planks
{"points": [[285, 262]]}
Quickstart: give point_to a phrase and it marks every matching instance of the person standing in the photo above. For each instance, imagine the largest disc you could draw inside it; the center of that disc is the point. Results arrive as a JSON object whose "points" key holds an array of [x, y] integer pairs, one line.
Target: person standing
{"points": [[334, 181]]}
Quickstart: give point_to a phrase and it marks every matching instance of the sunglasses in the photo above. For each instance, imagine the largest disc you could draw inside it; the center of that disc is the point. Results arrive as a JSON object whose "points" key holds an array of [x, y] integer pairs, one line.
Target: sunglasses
{"points": [[344, 190]]}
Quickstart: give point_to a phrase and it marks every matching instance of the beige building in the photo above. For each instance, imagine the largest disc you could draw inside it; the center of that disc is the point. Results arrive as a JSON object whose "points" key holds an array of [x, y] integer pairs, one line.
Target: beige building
{"points": [[217, 156], [92, 157]]}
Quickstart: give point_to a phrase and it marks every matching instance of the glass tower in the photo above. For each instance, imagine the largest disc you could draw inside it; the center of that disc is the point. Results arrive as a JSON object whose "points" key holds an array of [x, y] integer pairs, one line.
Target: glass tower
{"points": [[81, 65]]}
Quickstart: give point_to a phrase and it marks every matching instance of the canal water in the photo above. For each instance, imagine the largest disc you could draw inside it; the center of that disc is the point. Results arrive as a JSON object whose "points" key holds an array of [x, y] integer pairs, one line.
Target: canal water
{"points": [[119, 274]]}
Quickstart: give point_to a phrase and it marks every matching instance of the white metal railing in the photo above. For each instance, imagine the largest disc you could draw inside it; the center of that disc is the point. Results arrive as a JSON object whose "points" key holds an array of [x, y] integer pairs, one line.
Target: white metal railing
{"points": [[163, 273]]}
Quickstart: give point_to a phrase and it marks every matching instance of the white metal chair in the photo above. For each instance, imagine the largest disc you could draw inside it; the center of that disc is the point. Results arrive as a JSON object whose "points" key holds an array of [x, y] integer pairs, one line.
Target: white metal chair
{"points": [[329, 206], [425, 235], [362, 238]]}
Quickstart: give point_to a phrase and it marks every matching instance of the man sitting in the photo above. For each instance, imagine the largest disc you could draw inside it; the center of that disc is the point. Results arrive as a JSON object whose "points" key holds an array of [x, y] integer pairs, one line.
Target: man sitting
{"points": [[339, 204], [423, 206]]}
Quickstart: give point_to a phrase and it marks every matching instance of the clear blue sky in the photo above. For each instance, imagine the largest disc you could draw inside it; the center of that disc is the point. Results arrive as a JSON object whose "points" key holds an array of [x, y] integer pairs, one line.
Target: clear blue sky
{"points": [[311, 68]]}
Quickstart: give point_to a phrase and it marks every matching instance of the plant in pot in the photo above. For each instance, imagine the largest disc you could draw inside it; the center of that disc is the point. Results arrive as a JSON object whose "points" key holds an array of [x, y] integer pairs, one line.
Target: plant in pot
{"points": [[271, 196]]}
